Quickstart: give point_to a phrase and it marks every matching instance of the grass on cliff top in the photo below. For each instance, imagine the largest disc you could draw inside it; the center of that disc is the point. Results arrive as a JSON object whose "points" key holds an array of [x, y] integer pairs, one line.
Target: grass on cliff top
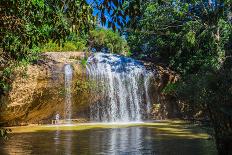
{"points": [[67, 46], [178, 129]]}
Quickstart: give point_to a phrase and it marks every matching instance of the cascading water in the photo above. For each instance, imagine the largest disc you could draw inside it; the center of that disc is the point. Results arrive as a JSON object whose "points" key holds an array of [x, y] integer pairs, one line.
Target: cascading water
{"points": [[124, 88], [68, 96]]}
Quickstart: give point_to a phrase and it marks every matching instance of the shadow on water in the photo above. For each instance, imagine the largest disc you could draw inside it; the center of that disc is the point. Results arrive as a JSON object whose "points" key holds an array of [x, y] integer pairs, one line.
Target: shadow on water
{"points": [[124, 140]]}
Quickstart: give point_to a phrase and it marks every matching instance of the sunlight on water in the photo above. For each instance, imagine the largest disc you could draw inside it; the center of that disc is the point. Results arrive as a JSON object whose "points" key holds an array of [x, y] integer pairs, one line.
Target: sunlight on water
{"points": [[134, 139]]}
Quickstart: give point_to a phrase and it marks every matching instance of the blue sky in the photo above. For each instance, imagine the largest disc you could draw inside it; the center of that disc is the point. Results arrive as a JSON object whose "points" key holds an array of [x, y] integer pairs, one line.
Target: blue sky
{"points": [[106, 13]]}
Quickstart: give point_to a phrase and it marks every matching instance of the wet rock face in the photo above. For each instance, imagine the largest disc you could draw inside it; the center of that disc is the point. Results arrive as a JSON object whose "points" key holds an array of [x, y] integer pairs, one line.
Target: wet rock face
{"points": [[38, 96], [168, 105], [164, 106]]}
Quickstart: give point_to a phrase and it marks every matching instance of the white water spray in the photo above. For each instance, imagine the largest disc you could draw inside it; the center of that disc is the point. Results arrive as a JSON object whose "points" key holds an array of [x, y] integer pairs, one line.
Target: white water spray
{"points": [[68, 94], [124, 87]]}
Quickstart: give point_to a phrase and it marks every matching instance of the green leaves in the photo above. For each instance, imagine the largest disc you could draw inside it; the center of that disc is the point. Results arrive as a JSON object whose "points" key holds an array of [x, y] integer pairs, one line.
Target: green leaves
{"points": [[39, 3], [36, 22], [4, 132], [102, 38], [170, 88], [177, 33], [115, 13], [191, 38]]}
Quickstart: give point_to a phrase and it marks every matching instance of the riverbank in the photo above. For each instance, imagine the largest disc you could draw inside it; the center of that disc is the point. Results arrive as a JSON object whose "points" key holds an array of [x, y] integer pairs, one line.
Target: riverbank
{"points": [[177, 128]]}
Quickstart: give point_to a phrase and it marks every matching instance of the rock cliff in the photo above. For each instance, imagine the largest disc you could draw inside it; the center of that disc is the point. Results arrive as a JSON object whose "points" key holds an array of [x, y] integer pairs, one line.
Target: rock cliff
{"points": [[37, 93]]}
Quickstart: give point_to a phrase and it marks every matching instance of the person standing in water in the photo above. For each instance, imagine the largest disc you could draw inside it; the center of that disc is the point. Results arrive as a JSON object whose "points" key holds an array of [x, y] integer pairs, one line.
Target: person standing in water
{"points": [[57, 118]]}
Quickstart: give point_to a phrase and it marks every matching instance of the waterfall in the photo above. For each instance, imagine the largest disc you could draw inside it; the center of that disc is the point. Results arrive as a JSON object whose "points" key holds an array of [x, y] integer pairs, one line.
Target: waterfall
{"points": [[123, 84], [68, 95]]}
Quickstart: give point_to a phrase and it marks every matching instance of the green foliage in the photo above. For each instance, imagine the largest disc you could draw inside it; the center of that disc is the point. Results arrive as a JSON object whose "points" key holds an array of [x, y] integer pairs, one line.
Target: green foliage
{"points": [[89, 87], [170, 88], [195, 88], [84, 62], [115, 13], [81, 86], [174, 33], [187, 43], [67, 46], [194, 39], [51, 47], [129, 53], [102, 38], [4, 132], [5, 80], [84, 86], [73, 42], [8, 72], [27, 24], [190, 38]]}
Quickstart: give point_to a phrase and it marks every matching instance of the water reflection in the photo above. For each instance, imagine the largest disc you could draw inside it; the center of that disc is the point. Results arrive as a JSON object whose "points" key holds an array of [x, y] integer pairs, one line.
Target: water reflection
{"points": [[57, 140], [113, 141], [120, 141], [67, 146]]}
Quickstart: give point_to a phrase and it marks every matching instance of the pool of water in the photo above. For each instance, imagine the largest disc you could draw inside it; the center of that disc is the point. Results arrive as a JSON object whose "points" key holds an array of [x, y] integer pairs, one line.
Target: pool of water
{"points": [[158, 139]]}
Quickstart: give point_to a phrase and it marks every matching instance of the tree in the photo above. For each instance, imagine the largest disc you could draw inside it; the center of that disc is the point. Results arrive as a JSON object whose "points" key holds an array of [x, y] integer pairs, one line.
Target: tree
{"points": [[100, 39], [26, 24], [191, 37]]}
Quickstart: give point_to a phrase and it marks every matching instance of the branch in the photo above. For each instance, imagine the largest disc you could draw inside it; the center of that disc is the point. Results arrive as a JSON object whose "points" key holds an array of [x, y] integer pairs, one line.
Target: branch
{"points": [[145, 32]]}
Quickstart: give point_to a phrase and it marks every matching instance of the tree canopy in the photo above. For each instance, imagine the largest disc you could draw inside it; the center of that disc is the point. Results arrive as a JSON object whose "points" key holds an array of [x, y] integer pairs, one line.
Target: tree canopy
{"points": [[26, 24], [100, 39]]}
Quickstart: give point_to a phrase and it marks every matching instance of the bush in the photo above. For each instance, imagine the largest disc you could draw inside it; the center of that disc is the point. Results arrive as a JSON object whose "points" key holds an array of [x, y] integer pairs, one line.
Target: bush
{"points": [[107, 39], [67, 46], [81, 45], [51, 47]]}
